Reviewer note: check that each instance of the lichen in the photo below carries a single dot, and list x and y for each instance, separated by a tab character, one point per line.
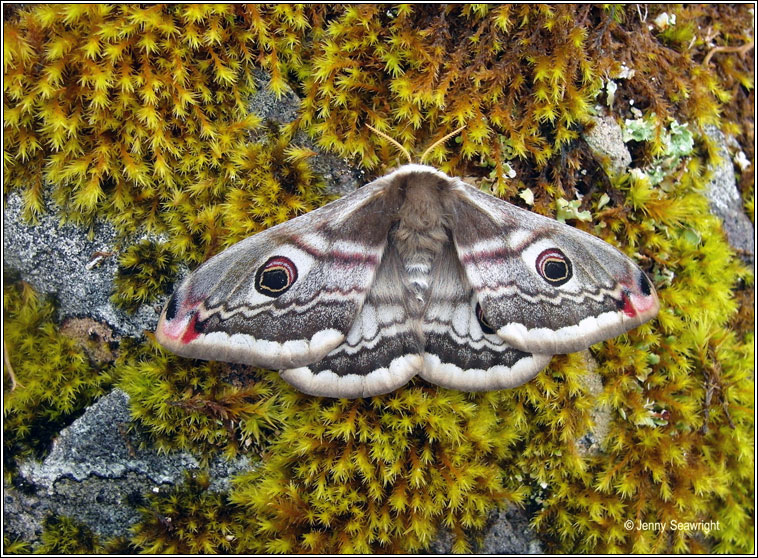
138	115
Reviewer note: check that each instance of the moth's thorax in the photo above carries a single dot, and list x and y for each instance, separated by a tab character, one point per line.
421	230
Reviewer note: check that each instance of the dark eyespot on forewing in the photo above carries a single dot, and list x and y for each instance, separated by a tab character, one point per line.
171	307
554	267
645	287
275	276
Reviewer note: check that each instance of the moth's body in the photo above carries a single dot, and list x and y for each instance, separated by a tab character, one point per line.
418	235
415	273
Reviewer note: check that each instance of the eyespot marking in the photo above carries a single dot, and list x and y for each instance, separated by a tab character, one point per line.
485	325
554	267
275	276
171	308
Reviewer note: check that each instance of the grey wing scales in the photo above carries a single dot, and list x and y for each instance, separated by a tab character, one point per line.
544	286
380	353
287	296
459	353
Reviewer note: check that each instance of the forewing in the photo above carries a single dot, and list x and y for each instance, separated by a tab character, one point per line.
545	287
287	296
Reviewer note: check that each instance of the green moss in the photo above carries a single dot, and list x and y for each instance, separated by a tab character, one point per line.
63	535
418	72
50	379
679	390
145	271
15	545
379	474
144	122
186	519
139	115
204	407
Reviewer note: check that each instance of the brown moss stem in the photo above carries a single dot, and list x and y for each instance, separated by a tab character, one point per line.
9	368
742	50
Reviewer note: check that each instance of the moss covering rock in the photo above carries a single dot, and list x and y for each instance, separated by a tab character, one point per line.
138	116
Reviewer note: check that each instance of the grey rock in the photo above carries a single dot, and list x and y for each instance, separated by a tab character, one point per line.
53	258
507	532
591	443
97	473
98	444
442	544
726	203
281	109
605	141
339	176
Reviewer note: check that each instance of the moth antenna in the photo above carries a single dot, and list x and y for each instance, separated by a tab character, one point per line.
392	141
439	141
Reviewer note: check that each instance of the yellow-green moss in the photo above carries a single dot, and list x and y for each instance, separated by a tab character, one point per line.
674	452
379	474
186	519
145	271
15	545
138	114
195	405
50	379
64	535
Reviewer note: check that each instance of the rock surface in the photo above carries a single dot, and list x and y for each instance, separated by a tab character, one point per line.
340	177
96	473
726	203
605	141
507	532
53	259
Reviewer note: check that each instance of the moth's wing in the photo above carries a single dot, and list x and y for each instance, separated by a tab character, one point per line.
459	353
381	352
545	287
287	296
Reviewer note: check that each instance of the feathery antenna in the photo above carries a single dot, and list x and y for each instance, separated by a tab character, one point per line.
439	141
405	151
392	141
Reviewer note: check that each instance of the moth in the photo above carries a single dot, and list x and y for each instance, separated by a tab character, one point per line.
416	273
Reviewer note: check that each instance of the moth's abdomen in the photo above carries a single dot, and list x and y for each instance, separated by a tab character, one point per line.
421	232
